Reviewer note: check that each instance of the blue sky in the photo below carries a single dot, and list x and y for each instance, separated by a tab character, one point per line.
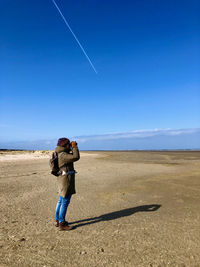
146	54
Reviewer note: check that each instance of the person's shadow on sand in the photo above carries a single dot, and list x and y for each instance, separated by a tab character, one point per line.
116	214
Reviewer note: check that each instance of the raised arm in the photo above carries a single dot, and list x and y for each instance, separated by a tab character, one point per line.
74	156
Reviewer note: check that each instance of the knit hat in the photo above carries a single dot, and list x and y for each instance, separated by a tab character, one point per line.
63	142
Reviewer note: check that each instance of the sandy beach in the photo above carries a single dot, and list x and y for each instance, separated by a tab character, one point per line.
131	209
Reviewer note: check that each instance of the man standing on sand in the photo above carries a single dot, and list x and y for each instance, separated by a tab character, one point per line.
67	154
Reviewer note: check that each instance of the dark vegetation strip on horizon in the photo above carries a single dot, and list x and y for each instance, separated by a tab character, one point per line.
108	150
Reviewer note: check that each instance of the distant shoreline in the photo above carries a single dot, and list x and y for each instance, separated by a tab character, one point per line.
103	150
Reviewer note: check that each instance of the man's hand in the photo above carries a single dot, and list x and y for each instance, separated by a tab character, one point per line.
74	144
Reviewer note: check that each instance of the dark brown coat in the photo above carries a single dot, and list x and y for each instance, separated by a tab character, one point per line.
66	183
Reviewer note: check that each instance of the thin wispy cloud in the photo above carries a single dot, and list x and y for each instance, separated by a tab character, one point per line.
75	37
137	139
136	134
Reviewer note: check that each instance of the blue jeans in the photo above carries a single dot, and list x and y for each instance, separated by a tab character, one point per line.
61	208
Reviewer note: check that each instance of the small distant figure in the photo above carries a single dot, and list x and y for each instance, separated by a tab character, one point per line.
68	152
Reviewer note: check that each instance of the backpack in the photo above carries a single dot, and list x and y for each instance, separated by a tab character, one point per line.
53	162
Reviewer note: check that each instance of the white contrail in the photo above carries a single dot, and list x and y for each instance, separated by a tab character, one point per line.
74	36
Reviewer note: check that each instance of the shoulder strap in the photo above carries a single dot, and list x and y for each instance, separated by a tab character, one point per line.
64	165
